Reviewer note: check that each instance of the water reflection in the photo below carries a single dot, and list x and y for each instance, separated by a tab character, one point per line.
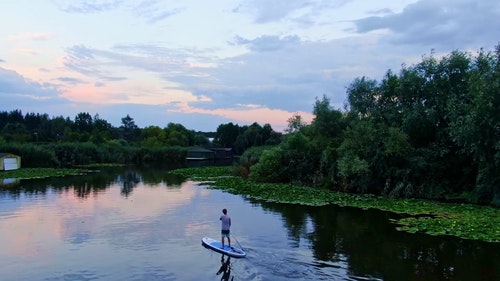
225	268
9	182
146	225
372	247
94	183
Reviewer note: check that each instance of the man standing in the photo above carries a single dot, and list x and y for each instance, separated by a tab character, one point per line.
225	225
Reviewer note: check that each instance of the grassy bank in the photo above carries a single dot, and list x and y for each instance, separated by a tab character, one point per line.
434	218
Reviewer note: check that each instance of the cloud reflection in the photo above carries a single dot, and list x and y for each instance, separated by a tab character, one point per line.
37	228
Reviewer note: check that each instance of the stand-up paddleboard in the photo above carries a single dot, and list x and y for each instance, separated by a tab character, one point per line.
216	246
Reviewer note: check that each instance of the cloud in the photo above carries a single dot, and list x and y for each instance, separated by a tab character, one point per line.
70	80
153	58
155	10
88	6
248	113
18	92
147	57
31	36
27	51
93	63
11	83
273	11
298	73
292	78
266	11
267	42
442	23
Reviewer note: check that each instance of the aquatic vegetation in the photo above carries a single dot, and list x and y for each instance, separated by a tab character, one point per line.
32	173
434	218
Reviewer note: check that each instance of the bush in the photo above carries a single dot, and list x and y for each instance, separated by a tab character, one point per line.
32	155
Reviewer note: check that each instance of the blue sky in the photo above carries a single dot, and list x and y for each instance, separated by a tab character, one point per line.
206	63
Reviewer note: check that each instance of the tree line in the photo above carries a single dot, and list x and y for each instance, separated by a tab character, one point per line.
45	141
430	131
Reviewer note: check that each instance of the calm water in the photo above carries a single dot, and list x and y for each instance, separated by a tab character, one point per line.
143	225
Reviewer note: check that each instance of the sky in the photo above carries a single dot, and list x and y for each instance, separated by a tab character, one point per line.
206	63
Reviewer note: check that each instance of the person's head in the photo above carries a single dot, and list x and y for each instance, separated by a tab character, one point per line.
224	211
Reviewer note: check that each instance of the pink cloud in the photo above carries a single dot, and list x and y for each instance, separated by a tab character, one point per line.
31	36
27	51
247	114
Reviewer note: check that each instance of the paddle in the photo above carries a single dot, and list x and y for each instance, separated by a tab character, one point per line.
238	243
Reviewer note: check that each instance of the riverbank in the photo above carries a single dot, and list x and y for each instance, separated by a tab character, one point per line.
434	218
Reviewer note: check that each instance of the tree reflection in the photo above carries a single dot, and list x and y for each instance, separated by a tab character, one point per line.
371	245
93	184
129	180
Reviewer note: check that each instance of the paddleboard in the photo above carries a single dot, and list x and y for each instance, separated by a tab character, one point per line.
216	245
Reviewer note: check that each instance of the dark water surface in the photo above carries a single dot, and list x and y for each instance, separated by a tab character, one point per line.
142	225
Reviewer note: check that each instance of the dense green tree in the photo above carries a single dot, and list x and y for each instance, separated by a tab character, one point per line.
226	134
327	125
16	132
475	125
294	161
354	156
201	140
177	135
84	122
431	131
361	99
153	136
58	126
129	131
102	130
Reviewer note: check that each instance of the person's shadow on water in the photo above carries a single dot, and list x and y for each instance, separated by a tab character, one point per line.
225	269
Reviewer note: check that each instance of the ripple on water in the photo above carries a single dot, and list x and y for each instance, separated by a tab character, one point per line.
295	264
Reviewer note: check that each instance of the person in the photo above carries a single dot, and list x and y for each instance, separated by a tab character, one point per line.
225	226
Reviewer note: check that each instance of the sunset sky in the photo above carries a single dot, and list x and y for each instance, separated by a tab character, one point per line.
206	63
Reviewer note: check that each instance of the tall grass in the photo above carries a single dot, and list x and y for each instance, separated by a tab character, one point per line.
70	154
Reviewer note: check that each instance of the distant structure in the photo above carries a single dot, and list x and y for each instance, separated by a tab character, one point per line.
9	161
209	156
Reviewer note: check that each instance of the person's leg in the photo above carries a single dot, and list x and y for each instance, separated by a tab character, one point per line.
229	241
222	240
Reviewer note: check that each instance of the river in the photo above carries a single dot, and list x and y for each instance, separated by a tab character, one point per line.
131	224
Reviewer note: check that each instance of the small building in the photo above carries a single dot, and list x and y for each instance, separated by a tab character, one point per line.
200	154
9	161
213	156
223	154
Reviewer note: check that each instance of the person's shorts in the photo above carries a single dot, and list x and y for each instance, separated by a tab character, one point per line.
225	233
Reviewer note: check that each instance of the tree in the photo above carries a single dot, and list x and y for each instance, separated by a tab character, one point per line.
58	126
475	124
200	139
16	132
295	123
361	97
178	135
328	123
355	155
153	136
129	131
84	122
294	161
226	135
